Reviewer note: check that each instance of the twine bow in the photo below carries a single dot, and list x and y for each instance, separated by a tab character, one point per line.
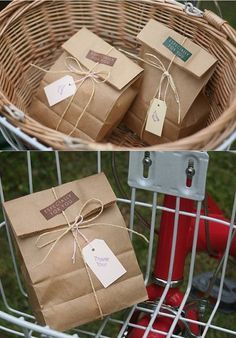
96	77
75	228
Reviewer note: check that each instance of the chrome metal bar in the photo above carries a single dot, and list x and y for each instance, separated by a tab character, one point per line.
37	328
29	165
8	138
58	166
223	270
10	309
172	257
92	334
191	271
99	162
24	137
202	217
131	226
2	224
25	330
188	320
151	237
132	207
17	333
104	323
151	330
11	245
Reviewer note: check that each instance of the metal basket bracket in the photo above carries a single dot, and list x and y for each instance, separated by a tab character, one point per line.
177	173
190	9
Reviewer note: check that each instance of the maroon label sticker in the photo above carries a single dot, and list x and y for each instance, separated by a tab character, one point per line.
101	58
59	205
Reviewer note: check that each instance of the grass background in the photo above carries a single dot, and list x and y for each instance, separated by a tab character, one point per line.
220	184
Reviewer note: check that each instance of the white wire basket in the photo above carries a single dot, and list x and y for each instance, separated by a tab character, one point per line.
16	323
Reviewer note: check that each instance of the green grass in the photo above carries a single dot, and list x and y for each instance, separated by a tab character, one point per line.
220	183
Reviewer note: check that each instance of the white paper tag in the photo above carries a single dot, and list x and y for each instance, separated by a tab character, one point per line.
103	262
156	117
60	90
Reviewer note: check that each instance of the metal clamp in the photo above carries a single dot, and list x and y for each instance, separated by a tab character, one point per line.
192	10
15	112
180	173
163	283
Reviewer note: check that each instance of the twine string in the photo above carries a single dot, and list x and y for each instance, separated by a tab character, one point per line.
153	61
75	228
95	77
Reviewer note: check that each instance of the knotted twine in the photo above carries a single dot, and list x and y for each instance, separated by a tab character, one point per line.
153	61
94	76
75	228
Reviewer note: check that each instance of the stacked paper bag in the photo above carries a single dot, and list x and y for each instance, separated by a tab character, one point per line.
92	87
88	90
75	252
170	104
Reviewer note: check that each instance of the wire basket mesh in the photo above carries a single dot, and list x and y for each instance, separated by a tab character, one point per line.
20	322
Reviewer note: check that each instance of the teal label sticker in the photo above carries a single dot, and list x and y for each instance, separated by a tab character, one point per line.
177	49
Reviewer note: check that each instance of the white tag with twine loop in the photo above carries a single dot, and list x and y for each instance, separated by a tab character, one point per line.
102	261
156	113
60	90
156	116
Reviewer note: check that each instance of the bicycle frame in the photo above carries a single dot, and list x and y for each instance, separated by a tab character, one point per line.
218	238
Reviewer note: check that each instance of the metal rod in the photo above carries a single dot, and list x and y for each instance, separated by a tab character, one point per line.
132	207
29	165
11	245
191	270
20	134
102	327
58	166
172	257
25	330
187	320
131	226
2	224
34	327
151	237
186	213
17	333
10	308
99	162
8	138
223	270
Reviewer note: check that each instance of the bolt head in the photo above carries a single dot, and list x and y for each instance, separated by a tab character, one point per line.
190	171
147	161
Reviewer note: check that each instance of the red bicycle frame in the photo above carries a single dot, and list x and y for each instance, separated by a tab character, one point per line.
218	234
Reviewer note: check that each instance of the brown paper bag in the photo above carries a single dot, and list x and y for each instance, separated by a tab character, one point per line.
194	120
60	292
111	99
190	69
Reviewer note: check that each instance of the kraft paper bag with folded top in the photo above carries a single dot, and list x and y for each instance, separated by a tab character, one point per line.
64	291
175	72
103	86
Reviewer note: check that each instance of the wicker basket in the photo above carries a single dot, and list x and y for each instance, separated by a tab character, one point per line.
33	31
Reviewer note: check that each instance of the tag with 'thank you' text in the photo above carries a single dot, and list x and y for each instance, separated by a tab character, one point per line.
102	261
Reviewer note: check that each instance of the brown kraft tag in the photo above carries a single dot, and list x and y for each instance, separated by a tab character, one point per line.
101	58
59	205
